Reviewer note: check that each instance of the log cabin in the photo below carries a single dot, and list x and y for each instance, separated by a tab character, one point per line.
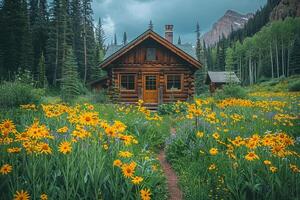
150	68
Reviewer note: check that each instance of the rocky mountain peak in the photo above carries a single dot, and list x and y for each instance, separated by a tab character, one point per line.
286	8
230	21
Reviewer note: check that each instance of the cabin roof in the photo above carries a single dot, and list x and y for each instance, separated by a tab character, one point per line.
221	77
185	51
187	48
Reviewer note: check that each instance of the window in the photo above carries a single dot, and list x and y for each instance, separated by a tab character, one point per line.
127	82
151	54
150	82
173	82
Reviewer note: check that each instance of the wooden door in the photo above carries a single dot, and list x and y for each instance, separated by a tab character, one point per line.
150	88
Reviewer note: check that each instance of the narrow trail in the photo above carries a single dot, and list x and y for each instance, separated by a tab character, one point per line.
172	180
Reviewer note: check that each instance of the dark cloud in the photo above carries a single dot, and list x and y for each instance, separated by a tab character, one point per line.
133	16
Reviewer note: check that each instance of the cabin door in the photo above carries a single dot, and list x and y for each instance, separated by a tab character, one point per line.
150	88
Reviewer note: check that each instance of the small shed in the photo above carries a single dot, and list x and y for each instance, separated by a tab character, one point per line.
99	84
218	79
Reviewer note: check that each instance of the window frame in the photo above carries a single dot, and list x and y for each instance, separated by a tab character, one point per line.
145	82
155	57
181	83
120	82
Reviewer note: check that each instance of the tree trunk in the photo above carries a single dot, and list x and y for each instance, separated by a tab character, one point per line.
282	58
288	62
271	56
240	68
84	47
277	59
250	71
56	57
259	64
255	72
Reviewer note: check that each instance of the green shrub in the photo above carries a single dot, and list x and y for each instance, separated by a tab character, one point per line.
294	86
231	91
100	96
13	94
71	85
263	79
172	108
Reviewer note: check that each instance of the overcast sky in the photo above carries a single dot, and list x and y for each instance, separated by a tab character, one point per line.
133	16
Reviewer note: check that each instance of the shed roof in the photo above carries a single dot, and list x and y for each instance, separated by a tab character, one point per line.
222	77
104	78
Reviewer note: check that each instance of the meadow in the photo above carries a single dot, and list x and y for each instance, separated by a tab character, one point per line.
223	148
239	148
56	151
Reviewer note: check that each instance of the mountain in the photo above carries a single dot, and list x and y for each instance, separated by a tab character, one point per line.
231	21
286	8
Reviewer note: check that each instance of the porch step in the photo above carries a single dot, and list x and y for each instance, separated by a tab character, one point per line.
151	106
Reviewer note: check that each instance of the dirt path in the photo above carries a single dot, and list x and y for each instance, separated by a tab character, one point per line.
172	180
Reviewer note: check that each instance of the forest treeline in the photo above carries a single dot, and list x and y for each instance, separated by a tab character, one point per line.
57	44
272	52
263	49
50	41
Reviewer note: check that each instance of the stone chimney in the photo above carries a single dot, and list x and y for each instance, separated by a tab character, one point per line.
169	33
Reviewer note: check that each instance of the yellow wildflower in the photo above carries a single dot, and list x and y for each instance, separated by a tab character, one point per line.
125	154
137	180
22	195
65	147
212	167
273	169
251	156
145	194
267	162
44	197
200	134
117	163
63	129
213	151
5	169
216	135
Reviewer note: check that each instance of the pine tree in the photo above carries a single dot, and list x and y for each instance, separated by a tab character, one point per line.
198	42
1	50
229	60
89	44
60	36
100	35
77	29
70	82
229	63
39	26
208	58
115	39
124	38
96	71
42	79
100	46
15	41
221	51
179	40
151	25
200	74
